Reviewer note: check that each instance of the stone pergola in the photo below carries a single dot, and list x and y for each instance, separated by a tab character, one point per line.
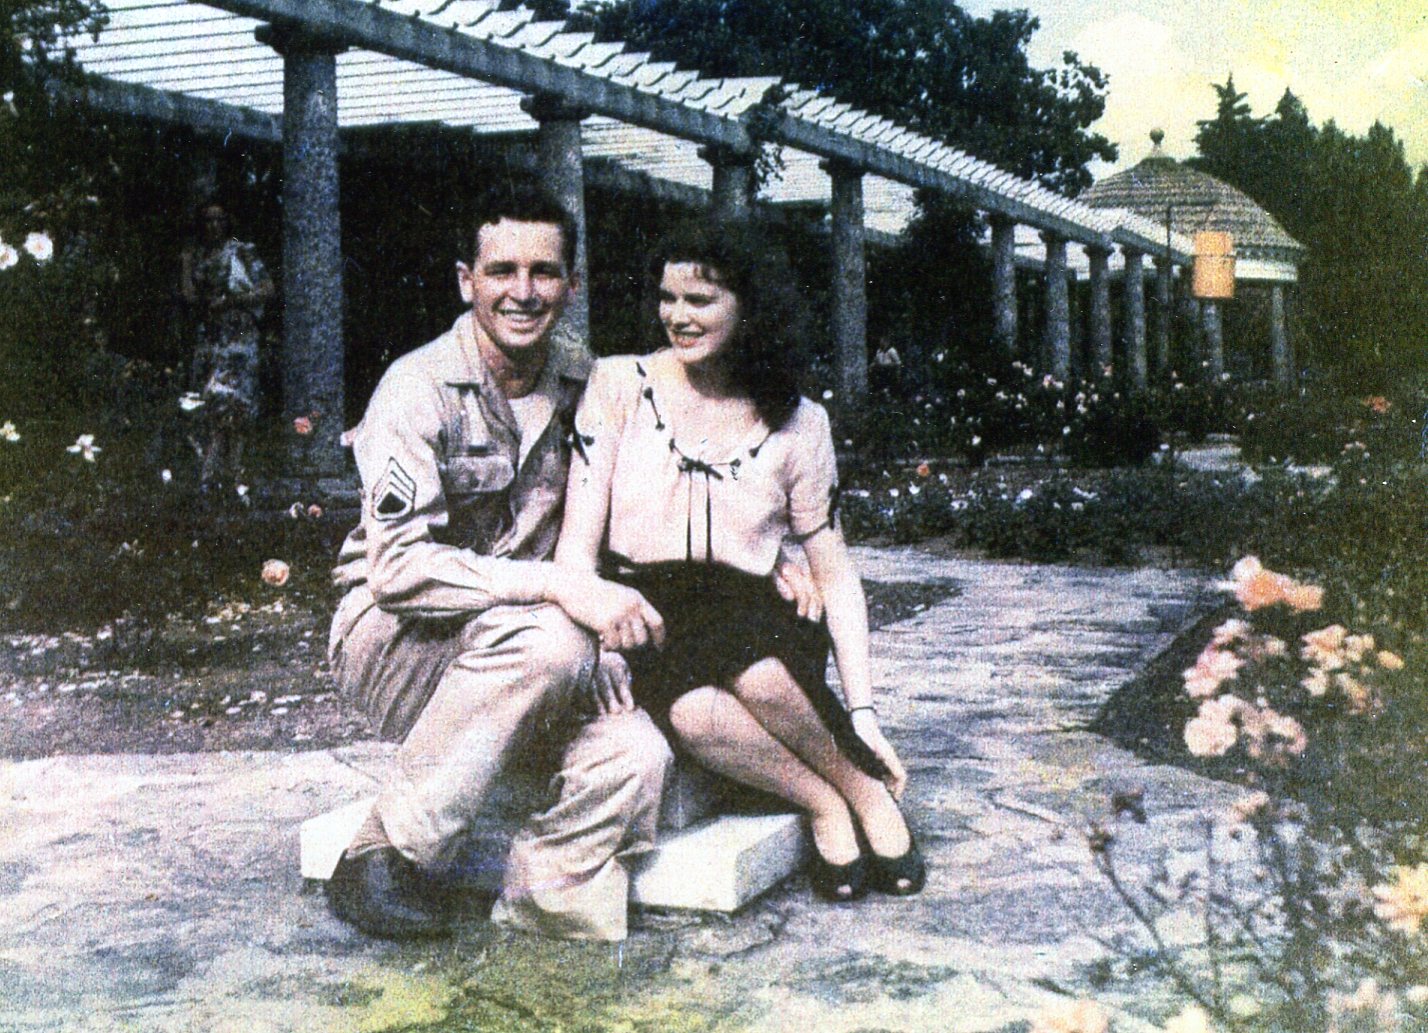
297	72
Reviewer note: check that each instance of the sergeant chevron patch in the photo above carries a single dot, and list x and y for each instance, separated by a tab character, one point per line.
395	493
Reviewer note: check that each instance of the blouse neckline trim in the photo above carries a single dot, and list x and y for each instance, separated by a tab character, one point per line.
733	460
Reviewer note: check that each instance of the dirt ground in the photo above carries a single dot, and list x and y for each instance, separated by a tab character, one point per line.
241	677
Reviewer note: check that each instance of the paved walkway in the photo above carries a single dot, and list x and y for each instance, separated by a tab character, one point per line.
162	893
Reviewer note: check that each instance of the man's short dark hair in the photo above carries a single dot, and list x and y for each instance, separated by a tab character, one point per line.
522	201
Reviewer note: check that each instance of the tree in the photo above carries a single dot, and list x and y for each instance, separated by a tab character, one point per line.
924	63
1354	203
31	33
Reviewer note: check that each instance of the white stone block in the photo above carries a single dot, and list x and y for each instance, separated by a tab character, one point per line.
720	864
321	840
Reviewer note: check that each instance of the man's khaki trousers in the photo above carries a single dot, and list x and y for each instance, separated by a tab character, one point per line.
464	697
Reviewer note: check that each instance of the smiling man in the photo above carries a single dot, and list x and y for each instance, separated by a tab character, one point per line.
456	637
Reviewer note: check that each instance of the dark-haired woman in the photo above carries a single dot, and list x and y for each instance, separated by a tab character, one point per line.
700	460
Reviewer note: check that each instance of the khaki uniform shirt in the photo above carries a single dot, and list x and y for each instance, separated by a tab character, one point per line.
451	501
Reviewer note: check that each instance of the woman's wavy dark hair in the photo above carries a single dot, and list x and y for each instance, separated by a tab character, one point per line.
769	359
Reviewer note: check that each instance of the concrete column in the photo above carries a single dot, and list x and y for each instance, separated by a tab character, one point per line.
1100	305
1279	338
313	347
1160	327
1135	316
1056	336
560	159
733	195
850	280
1004	303
1214	339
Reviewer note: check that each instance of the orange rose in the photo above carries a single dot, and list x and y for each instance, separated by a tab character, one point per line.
1304	597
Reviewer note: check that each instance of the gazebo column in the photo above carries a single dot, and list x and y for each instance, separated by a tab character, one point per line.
1214	330
1135	316
1279	338
1056	336
733	194
1164	315
1075	323
313	347
1100	309
1004	302
850	280
561	162
1190	319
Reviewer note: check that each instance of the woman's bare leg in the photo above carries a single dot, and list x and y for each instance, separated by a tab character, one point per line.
723	736
777	703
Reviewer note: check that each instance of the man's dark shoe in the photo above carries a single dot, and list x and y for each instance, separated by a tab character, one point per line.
384	895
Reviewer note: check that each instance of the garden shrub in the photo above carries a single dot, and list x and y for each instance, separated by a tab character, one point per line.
1195	410
1121	434
1111	518
106	521
973	410
1304	430
1312	890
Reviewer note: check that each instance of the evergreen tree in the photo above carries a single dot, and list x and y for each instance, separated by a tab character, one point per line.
1353	202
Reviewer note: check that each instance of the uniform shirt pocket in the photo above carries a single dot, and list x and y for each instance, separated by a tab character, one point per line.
478	500
477	475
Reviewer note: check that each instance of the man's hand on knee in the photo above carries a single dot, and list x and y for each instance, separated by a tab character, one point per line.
622	617
612	684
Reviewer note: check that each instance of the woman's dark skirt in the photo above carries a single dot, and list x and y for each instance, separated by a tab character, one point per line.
719	622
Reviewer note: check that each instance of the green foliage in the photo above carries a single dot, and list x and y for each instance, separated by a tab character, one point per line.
127	535
1197	410
89	543
32	32
1118	517
972	409
927	64
917	290
1354	203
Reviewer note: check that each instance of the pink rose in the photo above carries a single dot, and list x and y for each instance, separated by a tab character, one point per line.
275	573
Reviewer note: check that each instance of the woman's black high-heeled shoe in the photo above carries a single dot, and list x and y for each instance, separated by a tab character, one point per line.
898	876
838	883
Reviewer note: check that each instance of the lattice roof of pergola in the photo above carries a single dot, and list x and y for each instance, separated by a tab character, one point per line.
466	63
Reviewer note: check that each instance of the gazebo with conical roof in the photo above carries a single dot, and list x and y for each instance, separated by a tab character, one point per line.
1188	201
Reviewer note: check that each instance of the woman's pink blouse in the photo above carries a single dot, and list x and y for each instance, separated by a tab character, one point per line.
671	500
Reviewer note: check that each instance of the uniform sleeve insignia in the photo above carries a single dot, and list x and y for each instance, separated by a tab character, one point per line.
395	493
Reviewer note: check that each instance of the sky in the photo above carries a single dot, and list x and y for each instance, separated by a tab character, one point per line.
1350	60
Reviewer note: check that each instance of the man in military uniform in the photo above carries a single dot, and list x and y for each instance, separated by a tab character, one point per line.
459	639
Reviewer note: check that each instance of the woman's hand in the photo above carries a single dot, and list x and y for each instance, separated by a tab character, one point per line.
865	723
612	684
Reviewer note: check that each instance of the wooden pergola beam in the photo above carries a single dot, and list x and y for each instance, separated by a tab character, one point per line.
837	146
371	28
198	114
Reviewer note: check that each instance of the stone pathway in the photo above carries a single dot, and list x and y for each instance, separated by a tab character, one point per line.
162	893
